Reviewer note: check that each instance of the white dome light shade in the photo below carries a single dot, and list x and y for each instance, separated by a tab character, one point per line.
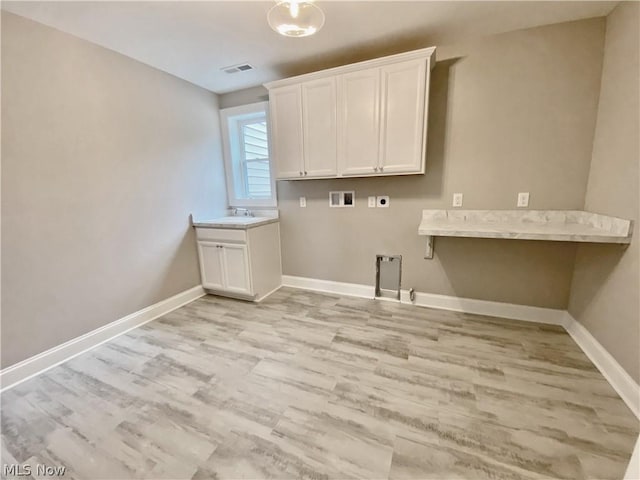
296	18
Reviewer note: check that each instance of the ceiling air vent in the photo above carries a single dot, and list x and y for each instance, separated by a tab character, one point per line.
243	67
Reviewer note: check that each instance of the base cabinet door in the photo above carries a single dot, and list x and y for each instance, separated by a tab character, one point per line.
211	268
235	260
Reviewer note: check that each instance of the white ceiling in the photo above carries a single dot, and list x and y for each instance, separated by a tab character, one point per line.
193	40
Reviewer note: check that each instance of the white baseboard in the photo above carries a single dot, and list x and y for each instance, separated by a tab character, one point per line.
37	364
430	300
619	379
485	307
633	470
268	294
327	286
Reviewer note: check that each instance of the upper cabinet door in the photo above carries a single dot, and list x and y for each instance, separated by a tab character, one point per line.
285	110
403	117
319	128
359	122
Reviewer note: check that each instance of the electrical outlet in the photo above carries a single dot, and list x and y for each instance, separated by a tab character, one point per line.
457	199
303	202
383	201
371	202
523	199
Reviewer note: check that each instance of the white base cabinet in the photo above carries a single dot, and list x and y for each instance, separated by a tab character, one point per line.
240	263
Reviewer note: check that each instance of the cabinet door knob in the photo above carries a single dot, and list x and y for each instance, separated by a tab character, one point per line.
300	173
375	169
305	172
381	168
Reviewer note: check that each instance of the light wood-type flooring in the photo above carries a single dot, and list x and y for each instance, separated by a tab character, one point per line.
306	385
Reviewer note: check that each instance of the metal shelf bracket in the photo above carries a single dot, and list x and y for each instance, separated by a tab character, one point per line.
428	254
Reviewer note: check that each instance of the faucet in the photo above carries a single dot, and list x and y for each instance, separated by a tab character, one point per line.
247	212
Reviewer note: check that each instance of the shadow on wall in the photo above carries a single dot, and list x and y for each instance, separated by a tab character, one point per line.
341	244
594	265
514	271
369	231
410	187
437	127
182	263
381	47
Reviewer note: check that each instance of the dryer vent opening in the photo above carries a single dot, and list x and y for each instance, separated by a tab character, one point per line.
388	276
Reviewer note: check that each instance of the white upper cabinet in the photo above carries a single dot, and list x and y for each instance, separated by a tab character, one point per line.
285	113
319	128
303	129
359	122
403	118
364	119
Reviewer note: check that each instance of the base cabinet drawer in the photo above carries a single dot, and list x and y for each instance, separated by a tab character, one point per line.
221	235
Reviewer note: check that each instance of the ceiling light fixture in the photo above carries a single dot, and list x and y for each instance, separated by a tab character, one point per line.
296	18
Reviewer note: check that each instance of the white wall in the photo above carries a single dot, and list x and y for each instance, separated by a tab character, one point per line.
605	293
508	113
103	160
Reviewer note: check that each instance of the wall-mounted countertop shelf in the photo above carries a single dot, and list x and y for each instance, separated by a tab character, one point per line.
551	225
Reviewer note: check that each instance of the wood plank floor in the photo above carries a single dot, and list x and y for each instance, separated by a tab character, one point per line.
315	386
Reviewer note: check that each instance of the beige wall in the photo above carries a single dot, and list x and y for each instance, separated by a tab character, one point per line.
605	290
509	113
244	97
103	159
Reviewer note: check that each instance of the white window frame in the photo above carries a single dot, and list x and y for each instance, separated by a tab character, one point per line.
226	116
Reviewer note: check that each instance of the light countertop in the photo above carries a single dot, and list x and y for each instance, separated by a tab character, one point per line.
554	225
235	223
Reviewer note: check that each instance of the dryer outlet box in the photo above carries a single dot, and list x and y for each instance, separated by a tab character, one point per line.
382	201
